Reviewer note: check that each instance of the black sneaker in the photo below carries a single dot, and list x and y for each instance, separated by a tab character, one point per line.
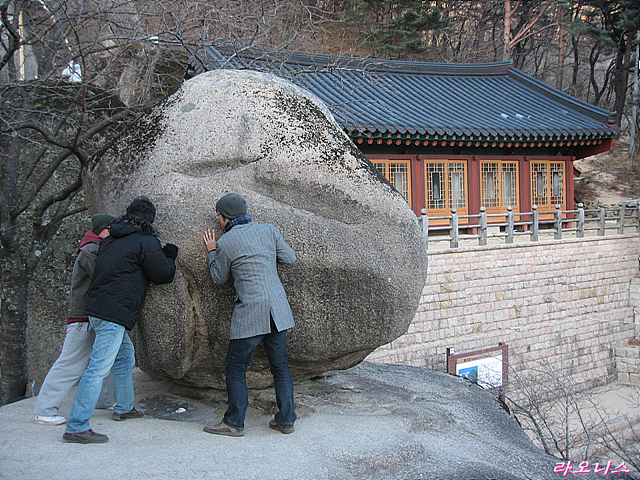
88	436
125	416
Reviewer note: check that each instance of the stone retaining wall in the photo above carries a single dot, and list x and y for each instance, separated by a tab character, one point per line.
627	357
562	304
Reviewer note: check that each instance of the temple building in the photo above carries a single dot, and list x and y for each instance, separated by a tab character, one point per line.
446	136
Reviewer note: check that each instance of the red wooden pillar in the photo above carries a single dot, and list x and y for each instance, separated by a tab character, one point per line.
524	167
418	199
570	194
475	187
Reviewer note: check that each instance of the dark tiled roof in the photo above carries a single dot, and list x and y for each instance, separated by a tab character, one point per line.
372	98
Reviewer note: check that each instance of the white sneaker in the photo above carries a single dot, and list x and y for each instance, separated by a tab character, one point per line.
52	420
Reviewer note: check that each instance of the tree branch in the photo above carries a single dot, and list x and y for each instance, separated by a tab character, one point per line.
59	197
527	29
522	37
45	232
13	37
46	175
48	136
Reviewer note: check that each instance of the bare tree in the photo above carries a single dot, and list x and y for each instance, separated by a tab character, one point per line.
566	419
73	74
54	118
623	438
523	21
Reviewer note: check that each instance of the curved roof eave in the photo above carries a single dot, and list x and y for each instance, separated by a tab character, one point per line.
396	97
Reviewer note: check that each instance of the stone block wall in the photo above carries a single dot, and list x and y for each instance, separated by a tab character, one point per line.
628	364
561	305
627	357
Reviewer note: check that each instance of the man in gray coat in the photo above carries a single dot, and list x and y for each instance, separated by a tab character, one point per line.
249	252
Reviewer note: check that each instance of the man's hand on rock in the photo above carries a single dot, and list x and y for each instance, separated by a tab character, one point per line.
209	238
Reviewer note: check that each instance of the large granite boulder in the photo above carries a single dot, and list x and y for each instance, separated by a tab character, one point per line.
361	257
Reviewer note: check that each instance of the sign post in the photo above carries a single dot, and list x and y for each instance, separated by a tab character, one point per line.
488	367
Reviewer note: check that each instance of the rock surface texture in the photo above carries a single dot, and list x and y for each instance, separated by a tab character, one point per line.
371	422
361	257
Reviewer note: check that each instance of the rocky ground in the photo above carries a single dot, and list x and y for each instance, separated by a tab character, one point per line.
371	422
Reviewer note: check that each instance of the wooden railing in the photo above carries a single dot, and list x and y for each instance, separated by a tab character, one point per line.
624	218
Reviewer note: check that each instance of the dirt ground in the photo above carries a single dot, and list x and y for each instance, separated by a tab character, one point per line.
609	177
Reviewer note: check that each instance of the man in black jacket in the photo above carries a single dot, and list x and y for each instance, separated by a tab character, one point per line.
127	260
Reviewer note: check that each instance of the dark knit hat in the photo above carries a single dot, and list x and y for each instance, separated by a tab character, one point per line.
143	208
99	222
231	205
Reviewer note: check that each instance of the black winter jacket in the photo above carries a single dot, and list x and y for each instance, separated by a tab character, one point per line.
127	260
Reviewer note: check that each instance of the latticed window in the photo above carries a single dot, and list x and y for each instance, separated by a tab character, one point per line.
509	184
499	184
557	183
490	189
398	174
547	183
446	185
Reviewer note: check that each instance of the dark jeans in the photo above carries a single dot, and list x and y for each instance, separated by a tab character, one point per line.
238	359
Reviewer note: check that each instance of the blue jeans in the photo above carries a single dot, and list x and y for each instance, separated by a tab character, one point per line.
111	348
236	363
68	369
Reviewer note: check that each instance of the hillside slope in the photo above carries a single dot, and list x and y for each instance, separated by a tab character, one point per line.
609	177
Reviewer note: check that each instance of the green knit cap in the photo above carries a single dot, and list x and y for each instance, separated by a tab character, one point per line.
99	222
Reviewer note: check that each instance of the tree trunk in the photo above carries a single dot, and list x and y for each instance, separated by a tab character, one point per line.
598	91
621	79
561	42
14	286
506	33
576	66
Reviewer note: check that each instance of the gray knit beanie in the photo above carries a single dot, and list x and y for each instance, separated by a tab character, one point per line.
231	205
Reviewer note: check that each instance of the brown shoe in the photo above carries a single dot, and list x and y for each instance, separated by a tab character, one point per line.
223	429
125	416
281	428
88	436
